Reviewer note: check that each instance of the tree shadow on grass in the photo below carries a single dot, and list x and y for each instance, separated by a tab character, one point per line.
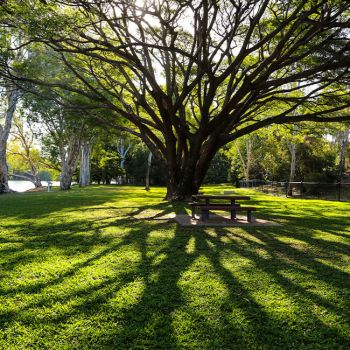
38	205
71	235
150	322
163	286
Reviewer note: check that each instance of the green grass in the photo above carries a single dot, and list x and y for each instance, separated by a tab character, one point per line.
82	270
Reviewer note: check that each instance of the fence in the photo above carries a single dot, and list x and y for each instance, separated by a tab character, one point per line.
339	191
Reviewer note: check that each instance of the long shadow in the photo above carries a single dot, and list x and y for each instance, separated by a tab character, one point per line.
283	257
39	287
38	205
71	236
153	318
268	331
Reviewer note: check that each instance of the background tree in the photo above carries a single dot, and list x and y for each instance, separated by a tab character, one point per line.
63	133
67	133
23	147
315	157
9	97
105	163
219	169
123	146
137	167
9	101
245	154
342	139
148	171
85	162
292	136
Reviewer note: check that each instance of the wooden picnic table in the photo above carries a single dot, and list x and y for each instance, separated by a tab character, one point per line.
233	207
208	197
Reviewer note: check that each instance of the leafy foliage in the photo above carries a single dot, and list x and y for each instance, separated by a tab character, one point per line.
105	164
136	167
219	169
316	156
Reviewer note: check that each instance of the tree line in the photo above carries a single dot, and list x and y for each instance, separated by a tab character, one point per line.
281	153
287	154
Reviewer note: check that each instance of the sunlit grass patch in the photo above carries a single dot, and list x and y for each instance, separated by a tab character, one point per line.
85	270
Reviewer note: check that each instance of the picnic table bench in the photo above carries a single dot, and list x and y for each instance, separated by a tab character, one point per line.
202	202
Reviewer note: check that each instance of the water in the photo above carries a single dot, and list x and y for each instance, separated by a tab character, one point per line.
22	185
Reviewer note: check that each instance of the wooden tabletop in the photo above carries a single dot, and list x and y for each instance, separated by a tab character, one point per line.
220	196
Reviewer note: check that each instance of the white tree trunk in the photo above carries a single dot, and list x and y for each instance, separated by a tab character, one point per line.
36	180
85	164
149	163
29	177
246	160
69	162
4	187
12	99
123	151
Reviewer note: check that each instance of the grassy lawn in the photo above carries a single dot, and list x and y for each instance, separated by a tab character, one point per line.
83	270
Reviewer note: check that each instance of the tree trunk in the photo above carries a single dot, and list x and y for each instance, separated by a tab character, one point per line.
12	99
292	147
69	162
33	171
343	145
246	160
185	179
123	151
4	186
85	159
182	188
149	162
66	176
36	180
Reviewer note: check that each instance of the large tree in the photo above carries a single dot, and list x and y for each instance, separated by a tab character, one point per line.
9	97
7	111
192	76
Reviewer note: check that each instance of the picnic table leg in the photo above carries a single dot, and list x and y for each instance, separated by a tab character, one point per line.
249	216
193	213
205	215
233	214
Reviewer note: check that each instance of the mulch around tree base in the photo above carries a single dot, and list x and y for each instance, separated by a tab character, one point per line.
218	220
